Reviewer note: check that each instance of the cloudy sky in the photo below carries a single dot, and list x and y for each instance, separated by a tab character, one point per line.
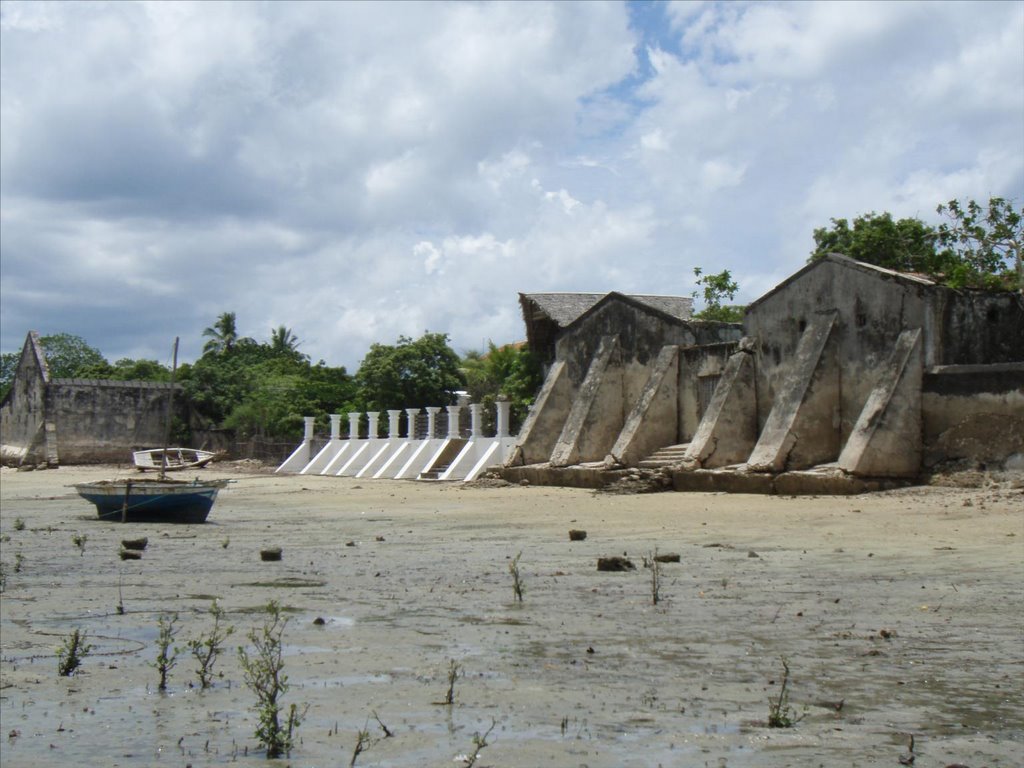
357	171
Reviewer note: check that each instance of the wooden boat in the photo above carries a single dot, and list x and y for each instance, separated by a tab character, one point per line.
157	500
176	459
146	500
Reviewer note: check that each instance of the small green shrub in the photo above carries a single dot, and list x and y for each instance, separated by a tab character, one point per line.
264	674
206	648
71	653
167	654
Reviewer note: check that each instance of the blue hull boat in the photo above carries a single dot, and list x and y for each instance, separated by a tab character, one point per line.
152	501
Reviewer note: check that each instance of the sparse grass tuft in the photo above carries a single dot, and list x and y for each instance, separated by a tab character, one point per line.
517	580
780	713
363	743
454	672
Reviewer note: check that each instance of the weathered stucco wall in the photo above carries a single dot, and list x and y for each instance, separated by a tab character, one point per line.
872	308
973	413
700	369
100	421
22	413
641	333
979	328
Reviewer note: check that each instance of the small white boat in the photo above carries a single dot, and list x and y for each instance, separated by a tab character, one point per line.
176	459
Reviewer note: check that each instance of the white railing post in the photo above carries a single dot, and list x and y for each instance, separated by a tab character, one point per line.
504	408
475	422
374	417
393	417
432	412
453	421
335	426
308	424
353	426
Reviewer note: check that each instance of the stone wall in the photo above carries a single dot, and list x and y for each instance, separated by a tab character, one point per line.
103	421
700	369
871	308
79	421
641	331
979	328
22	413
973	414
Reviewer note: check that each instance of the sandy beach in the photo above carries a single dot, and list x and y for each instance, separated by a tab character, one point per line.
899	614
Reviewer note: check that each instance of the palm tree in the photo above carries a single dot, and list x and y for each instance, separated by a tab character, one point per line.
223	334
283	341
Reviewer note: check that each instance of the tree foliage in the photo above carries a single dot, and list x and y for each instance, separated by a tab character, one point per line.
68	355
716	289
8	366
223	335
974	247
264	390
71	357
509	372
987	243
907	245
127	369
284	343
409	374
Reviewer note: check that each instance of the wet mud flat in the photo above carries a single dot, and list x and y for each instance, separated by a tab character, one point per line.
897	614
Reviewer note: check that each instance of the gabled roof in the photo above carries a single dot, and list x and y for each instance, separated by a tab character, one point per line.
644	306
566	308
847	262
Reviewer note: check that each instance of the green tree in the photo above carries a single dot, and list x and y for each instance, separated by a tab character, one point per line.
409	374
272	407
283	341
716	289
510	372
127	369
8	366
223	335
907	245
68	355
264	390
974	247
986	243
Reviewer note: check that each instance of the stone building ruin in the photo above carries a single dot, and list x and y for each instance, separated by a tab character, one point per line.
847	375
48	422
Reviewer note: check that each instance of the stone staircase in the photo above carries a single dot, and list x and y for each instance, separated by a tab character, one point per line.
668	456
439	467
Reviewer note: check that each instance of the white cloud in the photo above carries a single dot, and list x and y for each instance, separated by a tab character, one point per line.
357	173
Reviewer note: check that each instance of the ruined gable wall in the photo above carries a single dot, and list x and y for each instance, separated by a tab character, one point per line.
641	336
872	309
103	421
22	414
